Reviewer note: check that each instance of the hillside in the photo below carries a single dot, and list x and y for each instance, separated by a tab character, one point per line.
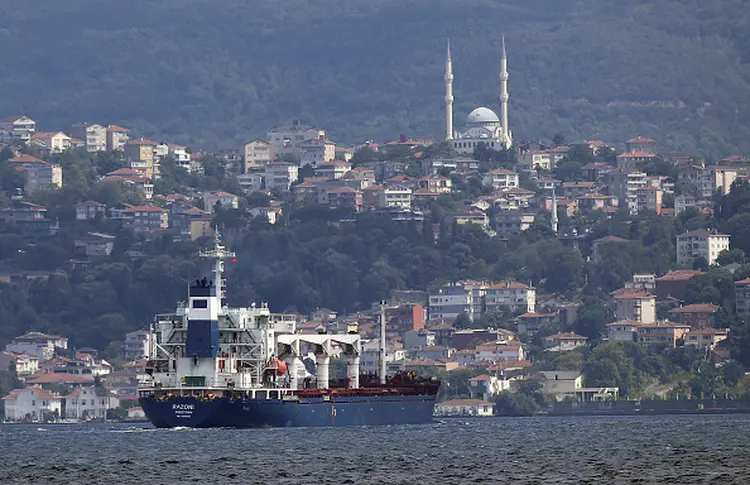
189	71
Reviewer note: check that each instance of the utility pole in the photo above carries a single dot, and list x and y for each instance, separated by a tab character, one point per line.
382	342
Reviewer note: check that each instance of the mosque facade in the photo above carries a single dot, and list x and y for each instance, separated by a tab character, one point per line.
483	126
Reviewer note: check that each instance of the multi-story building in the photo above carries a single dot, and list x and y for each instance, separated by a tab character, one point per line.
593	201
705	338
530	323
683	202
512	221
532	160
32	404
141	156
648	199
40	345
288	138
117	137
742	295
622	331
636	306
641	144
499	352
449	301
501	179
435	184
333	170
94	136
280	176
146	218
344	197
697	316
405	318
17	128
316	151
128	176
564	341
89	402
138	344
94	245
700	244
673	285
661	333
624	184
571	190
182	158
51	141
709	178
257	154
511	295
21	364
394	196
224	199
90	210
633	160
37	173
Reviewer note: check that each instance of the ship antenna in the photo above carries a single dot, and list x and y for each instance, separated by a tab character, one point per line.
382	341
218	254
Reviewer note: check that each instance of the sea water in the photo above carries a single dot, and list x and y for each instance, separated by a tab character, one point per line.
520	451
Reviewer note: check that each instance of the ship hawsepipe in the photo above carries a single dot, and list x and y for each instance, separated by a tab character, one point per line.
208	408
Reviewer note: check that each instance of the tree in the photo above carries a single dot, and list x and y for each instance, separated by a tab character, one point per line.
729	256
592	318
462	321
558	139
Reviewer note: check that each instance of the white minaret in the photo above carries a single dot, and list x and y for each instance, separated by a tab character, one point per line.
448	95
504	95
554	210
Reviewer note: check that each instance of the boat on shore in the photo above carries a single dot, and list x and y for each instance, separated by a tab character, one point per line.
215	366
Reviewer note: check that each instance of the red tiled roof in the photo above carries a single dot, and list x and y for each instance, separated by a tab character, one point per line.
144	208
640	139
611	239
696	308
57	378
565	335
483	377
679	275
25	158
636	155
509	364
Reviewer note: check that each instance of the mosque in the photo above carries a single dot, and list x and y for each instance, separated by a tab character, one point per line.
482	125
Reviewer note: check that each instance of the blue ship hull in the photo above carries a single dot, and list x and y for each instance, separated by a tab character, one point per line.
254	413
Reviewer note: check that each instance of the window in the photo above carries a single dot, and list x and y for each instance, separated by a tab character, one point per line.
202	303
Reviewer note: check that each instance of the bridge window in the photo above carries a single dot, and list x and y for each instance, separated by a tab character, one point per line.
200	303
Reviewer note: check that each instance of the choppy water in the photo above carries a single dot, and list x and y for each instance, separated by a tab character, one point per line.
521	451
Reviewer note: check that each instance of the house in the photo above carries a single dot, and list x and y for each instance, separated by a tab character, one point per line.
32	404
593	202
146	218
37	173
661	333
596	171
94	245
21	364
94	136
344	197
673	285
512	221
280	176
641	144
17	128
697	316
117	138
90	210
704	338
257	154
511	295
529	323
464	407
485	386
51	141
405	317
130	176
500	179
564	341
561	384
89	402
742	296
622	331
634	305
642	282
359	178
683	202
37	344
224	199
251	181
700	243
533	160
141	156
572	190
271	214
499	351
649	199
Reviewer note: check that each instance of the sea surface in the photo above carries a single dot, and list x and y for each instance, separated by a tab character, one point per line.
520	451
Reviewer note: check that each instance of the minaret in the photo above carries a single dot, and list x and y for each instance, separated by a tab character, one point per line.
554	211
448	95
504	95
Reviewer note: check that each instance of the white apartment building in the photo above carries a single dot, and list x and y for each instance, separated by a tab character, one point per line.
395	196
257	154
700	244
22	364
280	176
476	297
94	136
137	345
38	344
17	128
89	403
501	179
316	151
370	358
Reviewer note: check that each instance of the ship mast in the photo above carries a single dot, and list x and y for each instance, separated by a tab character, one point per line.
382	341
218	254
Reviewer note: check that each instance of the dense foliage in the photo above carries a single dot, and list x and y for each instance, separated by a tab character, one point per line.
214	75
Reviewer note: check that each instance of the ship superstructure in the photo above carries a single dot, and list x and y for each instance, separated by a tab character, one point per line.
213	365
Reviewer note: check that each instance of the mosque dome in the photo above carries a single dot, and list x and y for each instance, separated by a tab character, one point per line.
482	115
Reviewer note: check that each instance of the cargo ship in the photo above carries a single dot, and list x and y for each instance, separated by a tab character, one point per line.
215	366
